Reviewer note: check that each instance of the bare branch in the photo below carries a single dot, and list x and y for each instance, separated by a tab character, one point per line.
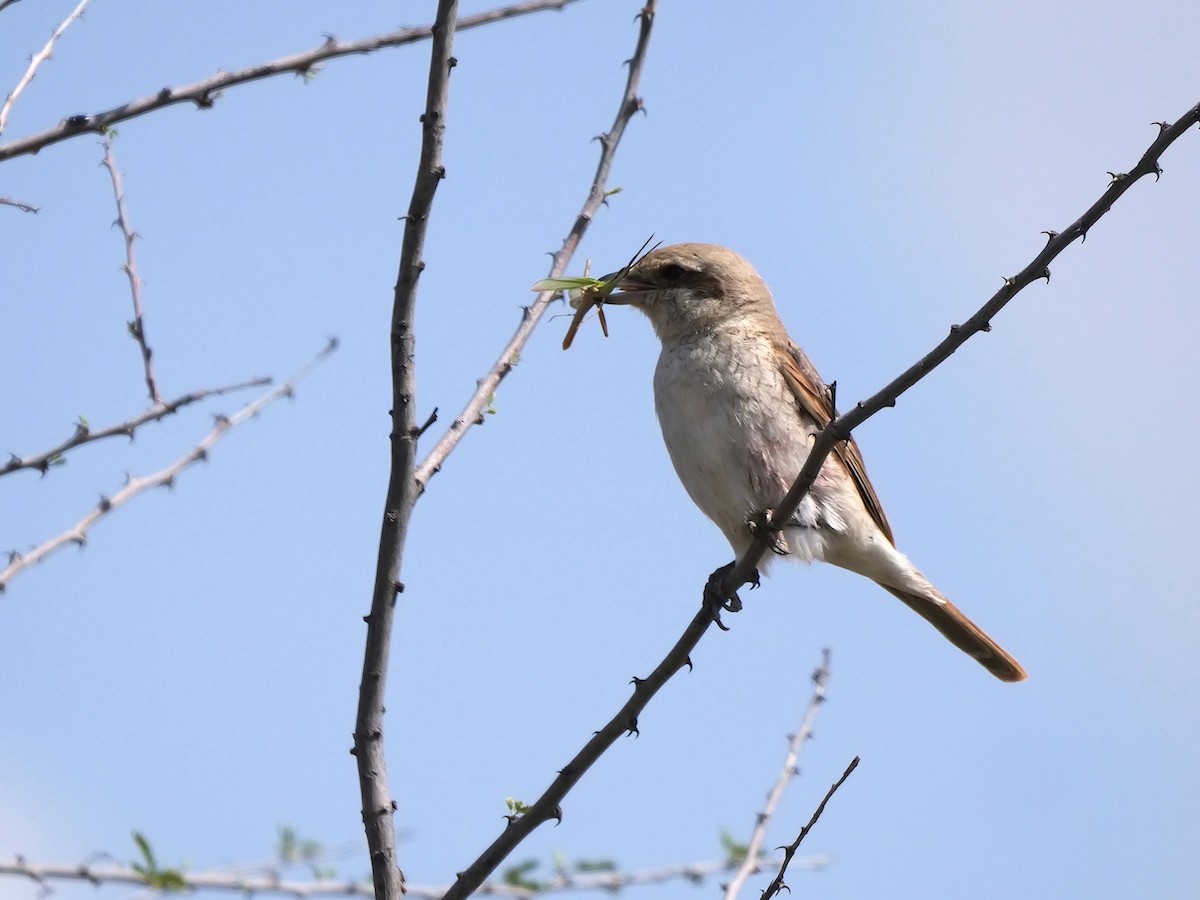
23	207
790	850
84	434
36	60
472	413
751	863
77	534
378	807
137	327
204	93
727	581
273	885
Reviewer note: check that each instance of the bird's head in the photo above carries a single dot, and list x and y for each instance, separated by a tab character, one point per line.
688	289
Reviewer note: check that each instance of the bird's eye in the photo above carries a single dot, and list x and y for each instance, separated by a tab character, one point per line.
672	272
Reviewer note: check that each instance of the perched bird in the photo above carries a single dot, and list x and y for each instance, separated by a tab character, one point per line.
739	404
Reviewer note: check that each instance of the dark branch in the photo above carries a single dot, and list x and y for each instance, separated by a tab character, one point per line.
839	429
402	493
790	850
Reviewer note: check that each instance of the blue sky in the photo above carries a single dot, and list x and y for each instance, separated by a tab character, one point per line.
193	673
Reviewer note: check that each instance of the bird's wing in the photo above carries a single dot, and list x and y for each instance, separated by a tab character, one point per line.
816	402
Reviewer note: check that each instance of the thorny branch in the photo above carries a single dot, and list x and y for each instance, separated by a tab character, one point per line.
378	807
35	62
85	434
752	864
839	429
204	93
78	533
137	327
790	850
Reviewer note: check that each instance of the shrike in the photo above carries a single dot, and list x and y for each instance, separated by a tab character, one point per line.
739	404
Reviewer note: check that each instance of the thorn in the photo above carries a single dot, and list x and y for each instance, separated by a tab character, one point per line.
1009	282
631	727
558	814
1157	171
1162	126
1117	176
688	662
1046	274
428	423
1050	235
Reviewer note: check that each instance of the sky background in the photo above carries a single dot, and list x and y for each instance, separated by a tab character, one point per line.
193	673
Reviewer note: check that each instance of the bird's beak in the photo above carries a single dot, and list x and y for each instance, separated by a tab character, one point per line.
628	289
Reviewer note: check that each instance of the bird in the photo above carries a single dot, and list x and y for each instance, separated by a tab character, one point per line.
739	404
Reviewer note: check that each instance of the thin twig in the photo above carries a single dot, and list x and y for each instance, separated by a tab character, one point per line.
78	533
790	850
85	434
472	413
378	808
273	885
23	207
751	864
36	60
547	806
839	429
137	327
204	93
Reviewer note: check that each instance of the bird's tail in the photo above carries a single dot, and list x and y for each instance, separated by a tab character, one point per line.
961	631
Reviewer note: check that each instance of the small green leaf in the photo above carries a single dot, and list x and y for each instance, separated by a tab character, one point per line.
735	851
143	846
516	807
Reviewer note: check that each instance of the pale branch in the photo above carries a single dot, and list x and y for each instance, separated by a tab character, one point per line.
36	61
136	327
275	885
78	533
548	805
85	434
789	851
751	864
23	207
378	807
725	582
472	413
204	93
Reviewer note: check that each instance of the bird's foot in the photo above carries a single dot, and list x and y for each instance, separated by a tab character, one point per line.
760	523
720	597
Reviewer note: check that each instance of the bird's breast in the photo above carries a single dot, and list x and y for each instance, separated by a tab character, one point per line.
733	430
